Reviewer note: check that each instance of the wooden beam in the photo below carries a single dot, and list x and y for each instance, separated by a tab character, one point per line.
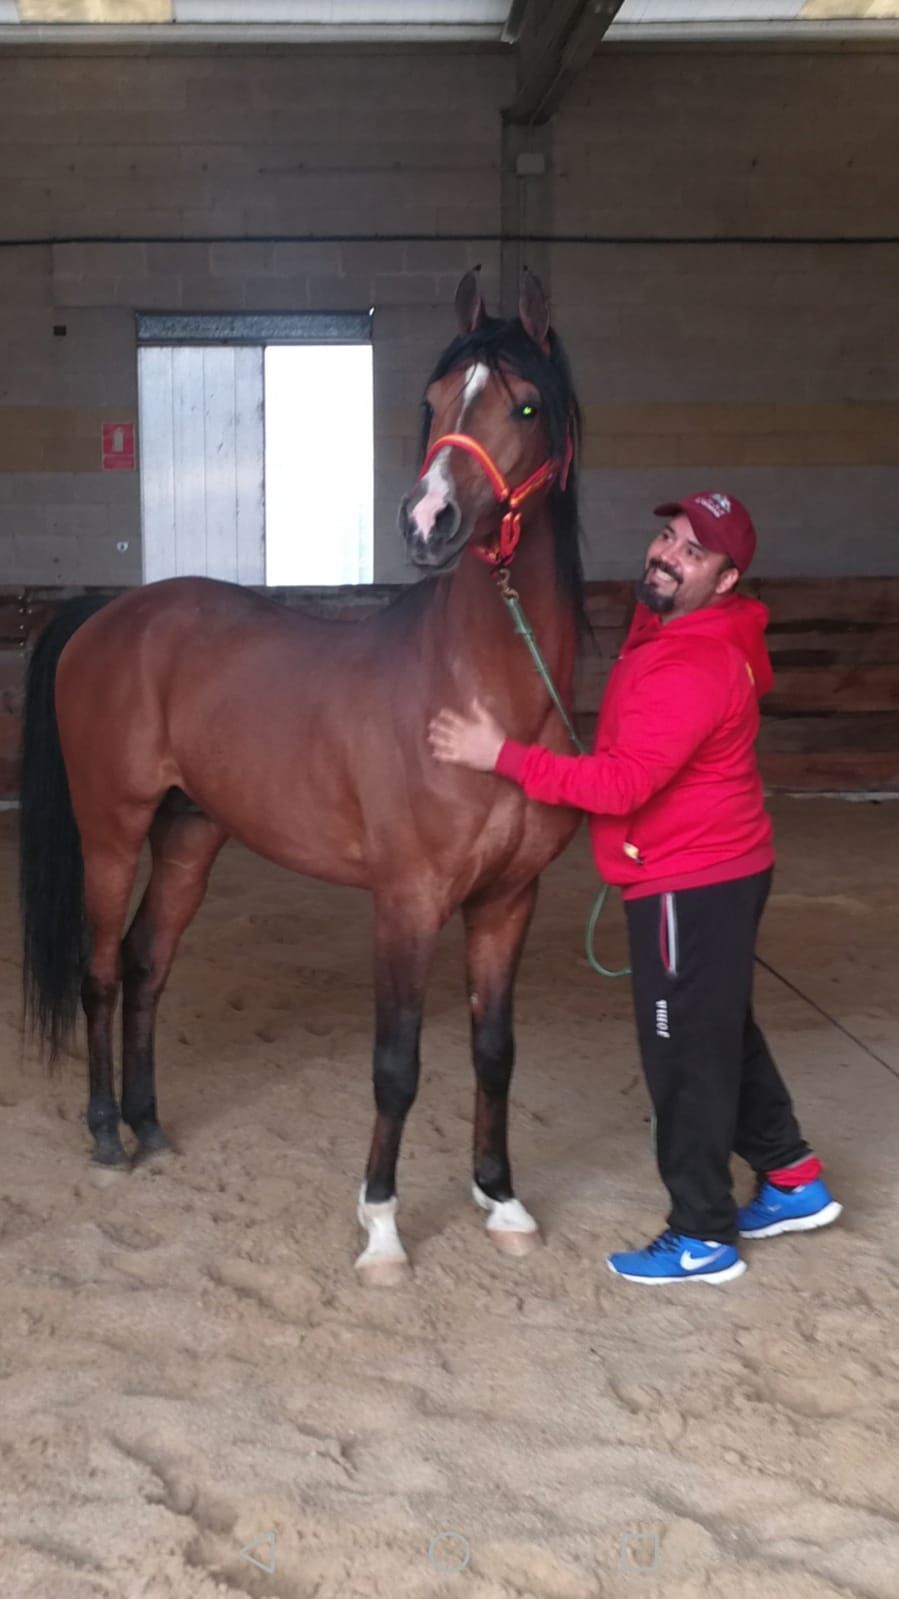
556	41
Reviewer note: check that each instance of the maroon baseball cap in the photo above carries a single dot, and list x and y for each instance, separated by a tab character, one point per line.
720	523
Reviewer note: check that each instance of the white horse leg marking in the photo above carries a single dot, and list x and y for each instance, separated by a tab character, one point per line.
383	1260
509	1226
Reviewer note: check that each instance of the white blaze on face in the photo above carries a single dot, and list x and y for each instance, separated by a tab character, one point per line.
437	481
475	380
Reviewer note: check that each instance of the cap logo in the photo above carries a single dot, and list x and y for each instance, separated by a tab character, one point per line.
717	504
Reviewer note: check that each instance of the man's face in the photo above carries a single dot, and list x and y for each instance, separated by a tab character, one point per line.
680	575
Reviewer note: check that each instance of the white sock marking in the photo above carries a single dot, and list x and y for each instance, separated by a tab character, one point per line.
505	1215
379	1222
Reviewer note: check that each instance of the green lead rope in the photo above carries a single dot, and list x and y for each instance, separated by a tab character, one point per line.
523	627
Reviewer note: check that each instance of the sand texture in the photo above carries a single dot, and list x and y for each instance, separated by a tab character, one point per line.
187	1362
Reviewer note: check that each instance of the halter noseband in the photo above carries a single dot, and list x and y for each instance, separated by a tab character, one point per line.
500	555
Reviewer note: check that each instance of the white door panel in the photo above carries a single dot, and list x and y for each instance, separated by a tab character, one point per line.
201	456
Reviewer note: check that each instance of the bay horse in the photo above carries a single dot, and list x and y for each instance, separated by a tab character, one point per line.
190	711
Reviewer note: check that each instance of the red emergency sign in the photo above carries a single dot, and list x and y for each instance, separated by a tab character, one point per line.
118	446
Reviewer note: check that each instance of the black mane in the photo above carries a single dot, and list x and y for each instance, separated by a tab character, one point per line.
497	343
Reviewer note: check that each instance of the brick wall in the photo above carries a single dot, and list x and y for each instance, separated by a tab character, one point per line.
184	146
771	369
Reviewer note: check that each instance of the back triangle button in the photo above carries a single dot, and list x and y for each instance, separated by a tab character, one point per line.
263	1546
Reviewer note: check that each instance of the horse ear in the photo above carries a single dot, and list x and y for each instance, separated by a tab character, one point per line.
533	309
469	301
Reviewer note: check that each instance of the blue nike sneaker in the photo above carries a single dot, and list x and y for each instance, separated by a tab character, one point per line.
787	1210
675	1258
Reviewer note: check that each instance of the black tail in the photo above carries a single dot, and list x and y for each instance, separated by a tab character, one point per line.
51	869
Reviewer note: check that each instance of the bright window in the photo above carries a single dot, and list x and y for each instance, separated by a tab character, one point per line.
318	464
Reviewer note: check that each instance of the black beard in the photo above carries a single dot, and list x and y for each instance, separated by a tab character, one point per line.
652	598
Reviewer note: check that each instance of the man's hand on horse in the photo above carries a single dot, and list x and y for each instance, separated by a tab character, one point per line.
474	740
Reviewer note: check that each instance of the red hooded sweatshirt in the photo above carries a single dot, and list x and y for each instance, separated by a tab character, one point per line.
672	786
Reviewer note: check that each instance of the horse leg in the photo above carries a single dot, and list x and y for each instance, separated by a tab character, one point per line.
110	865
183	849
496	930
405	937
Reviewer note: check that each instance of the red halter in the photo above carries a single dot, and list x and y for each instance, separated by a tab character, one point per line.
500	555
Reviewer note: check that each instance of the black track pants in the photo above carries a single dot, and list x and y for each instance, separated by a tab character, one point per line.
710	1075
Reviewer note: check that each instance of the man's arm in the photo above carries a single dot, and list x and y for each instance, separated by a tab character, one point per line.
673	711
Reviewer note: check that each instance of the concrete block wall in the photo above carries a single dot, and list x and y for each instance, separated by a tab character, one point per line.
769	369
182	148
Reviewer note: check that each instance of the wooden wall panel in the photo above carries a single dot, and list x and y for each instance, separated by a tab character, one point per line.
831	722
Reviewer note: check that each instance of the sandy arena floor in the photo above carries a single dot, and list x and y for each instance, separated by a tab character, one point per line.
187	1363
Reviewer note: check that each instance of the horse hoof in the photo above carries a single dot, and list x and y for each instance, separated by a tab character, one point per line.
514	1243
153	1148
103	1173
385	1273
383	1262
161	1158
109	1155
509	1226
151	1138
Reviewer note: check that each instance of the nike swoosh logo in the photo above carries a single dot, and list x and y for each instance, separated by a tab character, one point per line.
689	1264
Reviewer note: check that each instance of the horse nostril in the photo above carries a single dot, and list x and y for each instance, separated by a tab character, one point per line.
405	518
446	524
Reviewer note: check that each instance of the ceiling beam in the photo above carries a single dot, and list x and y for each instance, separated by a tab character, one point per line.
556	40
797	35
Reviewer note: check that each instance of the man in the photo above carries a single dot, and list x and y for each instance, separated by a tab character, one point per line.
678	821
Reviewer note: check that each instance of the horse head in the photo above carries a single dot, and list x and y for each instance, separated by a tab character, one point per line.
499	413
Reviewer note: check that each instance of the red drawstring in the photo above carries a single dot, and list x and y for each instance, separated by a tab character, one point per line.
501	554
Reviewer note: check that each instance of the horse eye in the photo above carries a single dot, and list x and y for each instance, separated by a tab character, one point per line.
527	409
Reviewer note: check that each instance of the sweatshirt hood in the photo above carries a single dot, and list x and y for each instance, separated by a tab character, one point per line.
738	620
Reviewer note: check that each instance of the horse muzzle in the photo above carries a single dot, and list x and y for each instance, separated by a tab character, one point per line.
431	531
